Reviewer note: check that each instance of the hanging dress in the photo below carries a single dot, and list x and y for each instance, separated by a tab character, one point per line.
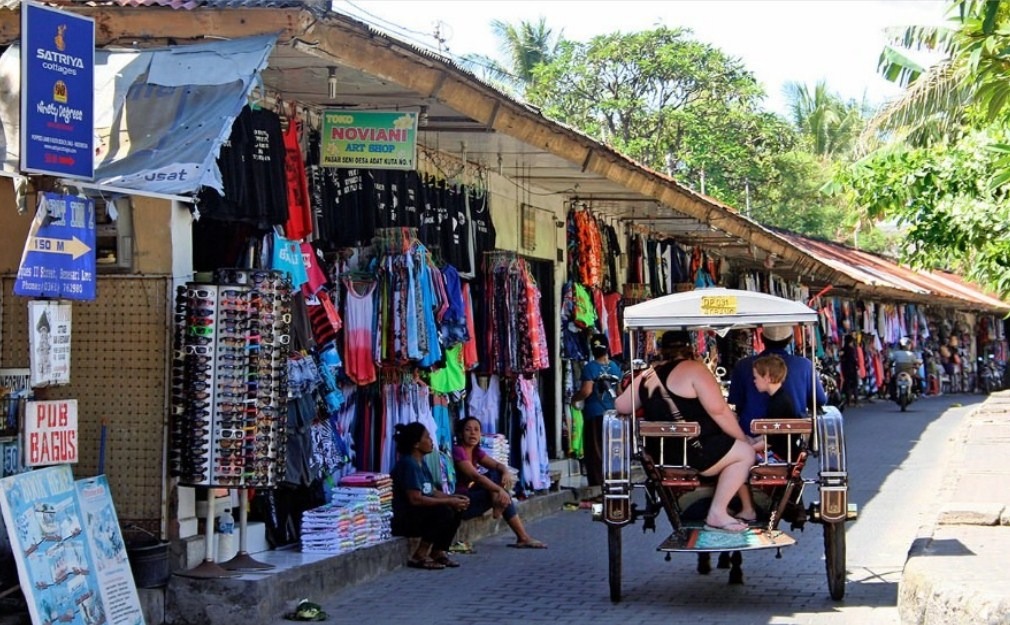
358	334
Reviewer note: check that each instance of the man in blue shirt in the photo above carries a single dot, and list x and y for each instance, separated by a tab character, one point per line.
798	385
600	378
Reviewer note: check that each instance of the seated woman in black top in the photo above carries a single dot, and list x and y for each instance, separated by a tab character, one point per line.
722	448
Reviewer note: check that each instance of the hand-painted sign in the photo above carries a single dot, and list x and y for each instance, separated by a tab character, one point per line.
58	100
51	432
59	256
69	550
369	139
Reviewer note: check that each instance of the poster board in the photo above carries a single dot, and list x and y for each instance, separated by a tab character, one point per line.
69	551
49	325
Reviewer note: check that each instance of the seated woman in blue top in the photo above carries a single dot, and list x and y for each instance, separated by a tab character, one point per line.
487	491
420	509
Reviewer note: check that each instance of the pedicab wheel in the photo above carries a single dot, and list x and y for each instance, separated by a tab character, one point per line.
614	554
834	558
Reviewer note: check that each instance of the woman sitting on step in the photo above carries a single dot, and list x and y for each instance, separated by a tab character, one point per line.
487	491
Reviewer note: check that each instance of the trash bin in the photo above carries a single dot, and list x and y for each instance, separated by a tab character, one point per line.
148	557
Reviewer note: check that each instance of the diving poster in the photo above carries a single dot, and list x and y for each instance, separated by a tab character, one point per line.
62	580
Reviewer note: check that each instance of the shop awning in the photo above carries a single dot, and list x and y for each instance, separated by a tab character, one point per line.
161	115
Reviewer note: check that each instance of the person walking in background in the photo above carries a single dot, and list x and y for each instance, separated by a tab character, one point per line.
599	378
419	509
849	360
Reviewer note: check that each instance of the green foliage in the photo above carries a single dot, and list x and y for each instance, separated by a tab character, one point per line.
668	101
945	172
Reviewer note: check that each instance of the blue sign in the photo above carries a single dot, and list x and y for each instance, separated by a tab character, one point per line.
59	256
58	92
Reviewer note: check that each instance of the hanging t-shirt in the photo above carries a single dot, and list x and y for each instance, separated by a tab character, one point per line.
299	223
410	199
287	258
452	377
267	195
382	199
483	229
456	231
232	162
315	277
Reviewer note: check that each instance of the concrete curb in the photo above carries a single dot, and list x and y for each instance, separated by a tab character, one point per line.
955	571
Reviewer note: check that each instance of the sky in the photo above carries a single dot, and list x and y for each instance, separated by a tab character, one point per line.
779	40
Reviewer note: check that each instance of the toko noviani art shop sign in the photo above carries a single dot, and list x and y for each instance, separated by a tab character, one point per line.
369	139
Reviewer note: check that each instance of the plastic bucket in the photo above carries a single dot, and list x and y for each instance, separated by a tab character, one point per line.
148	559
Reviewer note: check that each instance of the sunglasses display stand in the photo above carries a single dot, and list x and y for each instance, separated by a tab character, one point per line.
229	393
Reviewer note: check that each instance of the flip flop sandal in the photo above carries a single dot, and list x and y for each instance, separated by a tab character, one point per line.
462	547
445	561
533	544
427	564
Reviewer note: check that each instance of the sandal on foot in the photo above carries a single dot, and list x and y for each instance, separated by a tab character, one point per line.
461	547
733	527
445	561
426	563
529	544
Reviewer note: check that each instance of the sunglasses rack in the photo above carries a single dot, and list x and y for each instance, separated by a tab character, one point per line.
229	380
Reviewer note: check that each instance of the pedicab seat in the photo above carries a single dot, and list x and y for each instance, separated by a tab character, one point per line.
777	473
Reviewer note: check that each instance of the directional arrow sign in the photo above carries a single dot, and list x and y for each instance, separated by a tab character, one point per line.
74	247
59	255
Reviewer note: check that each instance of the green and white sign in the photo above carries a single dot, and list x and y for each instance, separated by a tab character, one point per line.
369	139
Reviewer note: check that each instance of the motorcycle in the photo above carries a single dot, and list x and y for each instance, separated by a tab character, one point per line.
990	378
827	369
904	390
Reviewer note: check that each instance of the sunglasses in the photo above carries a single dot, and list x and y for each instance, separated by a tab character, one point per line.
199	293
199	349
279	339
228	470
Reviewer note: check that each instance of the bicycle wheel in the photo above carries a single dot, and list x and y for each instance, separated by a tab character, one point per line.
614	554
834	558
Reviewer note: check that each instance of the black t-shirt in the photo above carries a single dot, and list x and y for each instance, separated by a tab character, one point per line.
265	154
481	228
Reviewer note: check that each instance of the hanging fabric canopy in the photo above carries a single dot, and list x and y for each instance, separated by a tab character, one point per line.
161	115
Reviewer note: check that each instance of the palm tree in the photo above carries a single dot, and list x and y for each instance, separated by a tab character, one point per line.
525	46
828	123
969	83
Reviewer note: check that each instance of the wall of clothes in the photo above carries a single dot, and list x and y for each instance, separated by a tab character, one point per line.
401	308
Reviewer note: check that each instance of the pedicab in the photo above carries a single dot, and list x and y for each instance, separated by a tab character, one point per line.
670	486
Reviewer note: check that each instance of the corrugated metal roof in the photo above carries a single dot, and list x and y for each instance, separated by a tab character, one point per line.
874	270
187	5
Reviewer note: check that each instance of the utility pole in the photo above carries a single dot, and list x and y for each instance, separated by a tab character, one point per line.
746	192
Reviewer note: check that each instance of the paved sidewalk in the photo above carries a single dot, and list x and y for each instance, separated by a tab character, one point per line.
957	571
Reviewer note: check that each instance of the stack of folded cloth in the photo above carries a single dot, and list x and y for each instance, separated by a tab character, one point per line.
357	515
496	446
380	489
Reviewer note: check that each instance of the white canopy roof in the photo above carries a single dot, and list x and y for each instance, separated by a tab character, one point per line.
716	308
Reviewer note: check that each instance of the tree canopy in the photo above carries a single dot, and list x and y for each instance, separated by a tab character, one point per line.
943	168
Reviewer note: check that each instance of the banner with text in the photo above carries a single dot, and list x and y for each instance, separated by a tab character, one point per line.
58	101
369	139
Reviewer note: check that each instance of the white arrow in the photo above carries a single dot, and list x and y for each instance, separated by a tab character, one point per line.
75	247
